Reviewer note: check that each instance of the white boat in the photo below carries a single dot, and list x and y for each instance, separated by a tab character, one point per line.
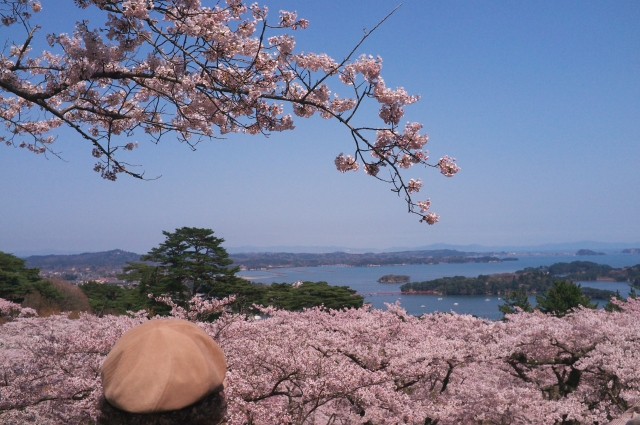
455	303
487	299
439	299
423	306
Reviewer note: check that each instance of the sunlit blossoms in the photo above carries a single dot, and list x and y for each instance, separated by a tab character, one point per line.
414	185
348	163
11	309
424	205
36	6
431	218
196	71
8	308
352	366
448	166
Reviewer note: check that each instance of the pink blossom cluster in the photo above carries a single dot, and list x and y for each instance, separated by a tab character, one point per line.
35	6
424	205
414	185
353	366
8	308
200	309
11	309
448	166
348	163
430	218
156	67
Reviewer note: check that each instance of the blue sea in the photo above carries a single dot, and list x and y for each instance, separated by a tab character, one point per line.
364	280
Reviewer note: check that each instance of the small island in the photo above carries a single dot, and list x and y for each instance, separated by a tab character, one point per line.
589	252
394	278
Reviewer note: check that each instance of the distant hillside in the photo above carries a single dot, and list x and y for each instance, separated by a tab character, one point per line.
283	259
114	259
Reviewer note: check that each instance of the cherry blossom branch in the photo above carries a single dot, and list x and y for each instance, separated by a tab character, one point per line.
174	66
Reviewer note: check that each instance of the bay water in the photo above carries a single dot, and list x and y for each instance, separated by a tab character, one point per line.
364	281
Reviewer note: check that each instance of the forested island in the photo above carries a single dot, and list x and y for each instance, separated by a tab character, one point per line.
589	252
394	278
532	280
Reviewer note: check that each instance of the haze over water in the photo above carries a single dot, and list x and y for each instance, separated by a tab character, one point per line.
364	280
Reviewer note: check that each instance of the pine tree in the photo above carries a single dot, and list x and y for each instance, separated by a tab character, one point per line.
191	261
18	281
562	297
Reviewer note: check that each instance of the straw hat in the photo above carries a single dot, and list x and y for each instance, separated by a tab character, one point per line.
162	365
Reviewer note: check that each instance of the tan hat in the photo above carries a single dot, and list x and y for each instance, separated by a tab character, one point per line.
162	365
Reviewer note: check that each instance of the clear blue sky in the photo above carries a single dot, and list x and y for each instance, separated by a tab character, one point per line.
539	101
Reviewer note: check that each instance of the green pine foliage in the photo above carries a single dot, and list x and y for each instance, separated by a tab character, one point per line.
114	299
18	281
192	260
513	299
563	297
286	296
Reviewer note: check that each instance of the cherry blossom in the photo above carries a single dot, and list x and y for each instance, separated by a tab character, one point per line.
430	218
448	166
424	205
198	72
414	185
11	309
348	163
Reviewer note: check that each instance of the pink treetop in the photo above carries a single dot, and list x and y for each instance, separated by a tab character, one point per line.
198	72
8	308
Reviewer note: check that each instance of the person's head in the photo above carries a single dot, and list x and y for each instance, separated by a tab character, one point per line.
163	372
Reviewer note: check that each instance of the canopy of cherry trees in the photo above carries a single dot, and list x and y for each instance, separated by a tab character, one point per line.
351	367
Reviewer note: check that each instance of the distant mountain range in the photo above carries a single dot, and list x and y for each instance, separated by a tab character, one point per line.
299	256
116	259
